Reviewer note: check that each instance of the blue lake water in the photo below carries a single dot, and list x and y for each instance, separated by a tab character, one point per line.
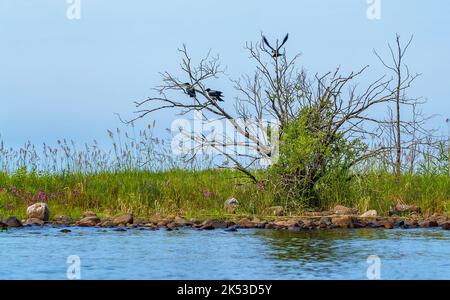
41	253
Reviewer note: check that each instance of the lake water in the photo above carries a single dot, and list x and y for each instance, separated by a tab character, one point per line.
41	253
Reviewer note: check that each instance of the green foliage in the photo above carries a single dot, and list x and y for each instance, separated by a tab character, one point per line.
312	160
145	193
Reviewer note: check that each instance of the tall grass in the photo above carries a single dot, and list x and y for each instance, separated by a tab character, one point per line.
139	174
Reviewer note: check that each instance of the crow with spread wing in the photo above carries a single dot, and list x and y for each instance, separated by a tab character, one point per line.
276	51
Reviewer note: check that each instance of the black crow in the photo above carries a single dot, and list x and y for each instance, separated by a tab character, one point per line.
217	95
189	89
276	52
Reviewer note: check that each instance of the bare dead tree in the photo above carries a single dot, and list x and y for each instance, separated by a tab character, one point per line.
278	93
447	121
403	80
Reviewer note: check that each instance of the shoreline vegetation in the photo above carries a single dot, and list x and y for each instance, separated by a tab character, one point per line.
327	148
167	190
212	199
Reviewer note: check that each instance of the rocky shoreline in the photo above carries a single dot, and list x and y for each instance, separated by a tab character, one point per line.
340	217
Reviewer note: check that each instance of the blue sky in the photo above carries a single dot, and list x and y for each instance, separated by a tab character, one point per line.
62	78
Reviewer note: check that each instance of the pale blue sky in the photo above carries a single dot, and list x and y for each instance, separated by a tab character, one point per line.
62	78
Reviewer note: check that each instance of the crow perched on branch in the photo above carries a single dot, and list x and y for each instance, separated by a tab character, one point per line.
276	52
189	89
216	95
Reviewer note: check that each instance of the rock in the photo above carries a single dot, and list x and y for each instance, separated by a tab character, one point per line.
62	220
317	213
232	228
34	221
388	225
162	223
89	213
405	208
107	223
342	222
258	223
275	211
65	230
119	229
325	221
139	221
439	218
305	224
342	210
123	220
369	214
231	205
13	222
38	211
89	221
3	226
284	224
428	224
195	221
172	226
413	224
246	223
270	226
358	224
446	226
213	224
181	222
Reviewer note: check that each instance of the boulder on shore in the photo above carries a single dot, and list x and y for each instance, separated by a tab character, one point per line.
342	222
342	210
88	221
405	208
181	222
13	222
439	218
38	211
34	221
123	220
428	224
107	223
213	224
231	205
369	214
62	220
246	223
3	225
446	226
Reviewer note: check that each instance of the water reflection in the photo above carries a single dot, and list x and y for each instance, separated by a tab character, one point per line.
314	244
245	254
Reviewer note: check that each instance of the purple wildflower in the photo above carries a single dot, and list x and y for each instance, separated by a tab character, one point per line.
42	196
207	193
260	186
